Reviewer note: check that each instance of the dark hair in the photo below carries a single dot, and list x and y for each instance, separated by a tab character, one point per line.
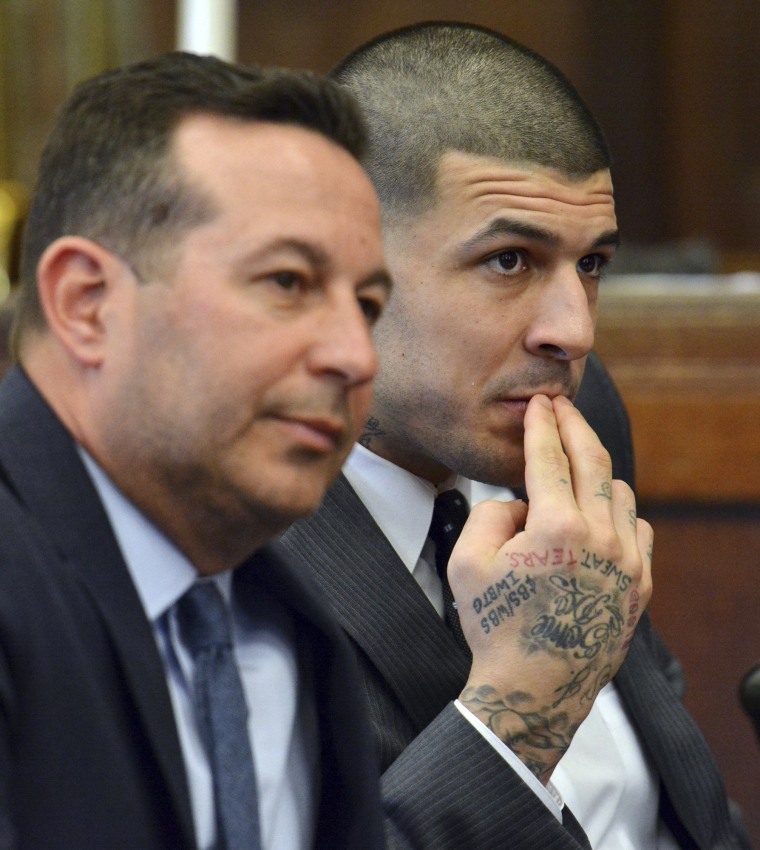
440	86
107	172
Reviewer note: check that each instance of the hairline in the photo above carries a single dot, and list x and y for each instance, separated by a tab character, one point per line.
163	197
446	59
399	213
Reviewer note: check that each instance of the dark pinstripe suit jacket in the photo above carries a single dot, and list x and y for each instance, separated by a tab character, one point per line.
444	786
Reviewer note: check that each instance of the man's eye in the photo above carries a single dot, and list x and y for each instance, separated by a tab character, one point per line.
371	309
508	262
592	265
287	280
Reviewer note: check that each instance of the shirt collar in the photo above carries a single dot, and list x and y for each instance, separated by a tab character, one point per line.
160	572
401	503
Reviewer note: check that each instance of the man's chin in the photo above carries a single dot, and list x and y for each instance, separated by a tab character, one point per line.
497	467
288	506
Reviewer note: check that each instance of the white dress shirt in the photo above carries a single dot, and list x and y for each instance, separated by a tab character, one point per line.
282	720
604	777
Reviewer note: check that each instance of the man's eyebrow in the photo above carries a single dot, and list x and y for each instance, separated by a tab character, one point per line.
609	239
511	227
320	260
314	255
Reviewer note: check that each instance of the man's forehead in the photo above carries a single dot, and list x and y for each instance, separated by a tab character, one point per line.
470	175
481	203
282	160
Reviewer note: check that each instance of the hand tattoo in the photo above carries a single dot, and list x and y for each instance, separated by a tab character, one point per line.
605	490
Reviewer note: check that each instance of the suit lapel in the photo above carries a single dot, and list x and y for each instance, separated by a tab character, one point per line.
675	744
379	603
39	460
274	569
328	664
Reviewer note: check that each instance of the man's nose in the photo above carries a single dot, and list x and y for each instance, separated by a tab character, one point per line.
343	344
563	326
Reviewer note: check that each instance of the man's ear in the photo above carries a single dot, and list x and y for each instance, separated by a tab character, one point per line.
75	278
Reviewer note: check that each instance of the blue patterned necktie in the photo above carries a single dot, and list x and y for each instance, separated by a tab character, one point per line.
222	715
449	516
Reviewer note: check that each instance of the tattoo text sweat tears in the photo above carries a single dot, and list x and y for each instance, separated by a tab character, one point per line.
577	618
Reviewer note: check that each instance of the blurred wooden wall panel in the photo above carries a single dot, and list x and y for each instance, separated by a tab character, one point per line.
316	35
710	96
46	48
685	354
674	83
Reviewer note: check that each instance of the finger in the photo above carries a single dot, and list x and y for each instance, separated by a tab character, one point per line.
640	593
623	540
590	464
490	525
547	470
645	540
635	563
635	534
623	504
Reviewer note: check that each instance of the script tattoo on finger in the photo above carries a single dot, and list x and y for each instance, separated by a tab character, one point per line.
371	429
632	517
605	490
539	737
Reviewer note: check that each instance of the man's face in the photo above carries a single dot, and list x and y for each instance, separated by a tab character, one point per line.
239	375
494	301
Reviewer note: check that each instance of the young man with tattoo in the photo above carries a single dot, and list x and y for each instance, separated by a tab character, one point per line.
499	220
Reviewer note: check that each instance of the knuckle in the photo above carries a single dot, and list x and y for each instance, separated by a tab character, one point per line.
622	492
607	542
555	460
570	527
599	456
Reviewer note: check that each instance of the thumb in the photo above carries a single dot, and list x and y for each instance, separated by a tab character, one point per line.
490	525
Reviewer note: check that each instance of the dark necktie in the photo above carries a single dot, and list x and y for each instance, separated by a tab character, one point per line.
574	828
449	516
222	714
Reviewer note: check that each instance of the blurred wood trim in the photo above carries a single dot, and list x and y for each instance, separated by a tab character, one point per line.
47	47
685	354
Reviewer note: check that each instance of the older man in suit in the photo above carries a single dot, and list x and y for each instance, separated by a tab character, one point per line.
202	265
499	222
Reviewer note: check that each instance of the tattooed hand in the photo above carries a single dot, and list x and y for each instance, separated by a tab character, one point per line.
550	610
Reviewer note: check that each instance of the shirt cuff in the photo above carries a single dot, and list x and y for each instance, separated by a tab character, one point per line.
548	794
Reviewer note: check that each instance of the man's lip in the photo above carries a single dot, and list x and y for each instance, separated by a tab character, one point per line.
524	398
322	432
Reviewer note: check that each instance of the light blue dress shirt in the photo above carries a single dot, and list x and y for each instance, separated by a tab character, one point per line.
282	723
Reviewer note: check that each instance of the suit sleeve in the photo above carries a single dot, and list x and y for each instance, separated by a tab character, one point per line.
12	550
667	662
7	832
450	790
673	672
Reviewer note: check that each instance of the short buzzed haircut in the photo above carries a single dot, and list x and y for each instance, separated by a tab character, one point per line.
107	172
437	87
